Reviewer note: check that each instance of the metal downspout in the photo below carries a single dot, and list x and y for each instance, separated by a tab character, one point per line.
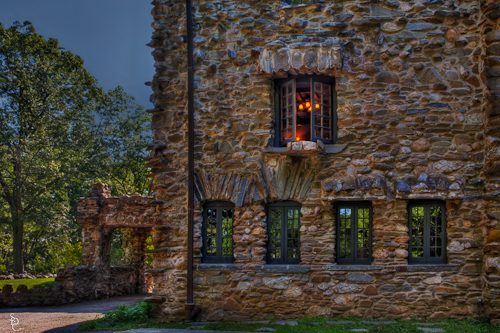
191	310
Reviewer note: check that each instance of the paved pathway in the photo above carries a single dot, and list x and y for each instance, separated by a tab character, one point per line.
63	318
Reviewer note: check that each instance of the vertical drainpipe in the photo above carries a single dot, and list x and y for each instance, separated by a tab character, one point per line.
191	310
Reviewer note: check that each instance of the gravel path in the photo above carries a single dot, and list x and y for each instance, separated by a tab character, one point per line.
63	318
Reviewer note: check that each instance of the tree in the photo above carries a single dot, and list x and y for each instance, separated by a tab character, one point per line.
122	134
44	93
59	133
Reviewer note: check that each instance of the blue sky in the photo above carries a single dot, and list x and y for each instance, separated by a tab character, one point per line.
110	36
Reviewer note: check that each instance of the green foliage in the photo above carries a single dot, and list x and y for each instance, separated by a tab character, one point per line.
122	134
149	252
137	313
30	283
59	134
122	317
117	251
309	325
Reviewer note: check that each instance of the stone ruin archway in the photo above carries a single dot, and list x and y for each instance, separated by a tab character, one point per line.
104	218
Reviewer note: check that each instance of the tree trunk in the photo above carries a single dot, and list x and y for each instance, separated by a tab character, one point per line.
18	233
17	213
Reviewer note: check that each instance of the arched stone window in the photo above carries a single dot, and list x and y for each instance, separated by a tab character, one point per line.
283	229
217	232
305	109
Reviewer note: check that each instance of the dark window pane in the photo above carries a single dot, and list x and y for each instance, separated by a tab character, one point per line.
363	232
435	223
211	232
417	231
293	233
345	232
275	219
227	232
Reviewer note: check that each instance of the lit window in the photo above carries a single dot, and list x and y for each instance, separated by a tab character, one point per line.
305	110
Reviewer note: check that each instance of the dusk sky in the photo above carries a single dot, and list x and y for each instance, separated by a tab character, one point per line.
110	36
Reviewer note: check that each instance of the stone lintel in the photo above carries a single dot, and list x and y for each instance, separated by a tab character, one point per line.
302	57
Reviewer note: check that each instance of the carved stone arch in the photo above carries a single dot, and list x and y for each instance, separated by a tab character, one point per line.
302	57
237	188
288	179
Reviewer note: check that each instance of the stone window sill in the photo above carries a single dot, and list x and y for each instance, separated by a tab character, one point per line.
336	267
304	148
218	267
428	268
285	5
283	268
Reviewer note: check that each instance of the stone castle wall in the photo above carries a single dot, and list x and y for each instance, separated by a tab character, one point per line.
412	108
491	259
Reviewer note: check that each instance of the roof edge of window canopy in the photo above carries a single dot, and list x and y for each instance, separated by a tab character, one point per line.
302	57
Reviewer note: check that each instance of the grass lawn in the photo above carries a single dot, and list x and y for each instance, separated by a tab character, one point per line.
125	318
30	283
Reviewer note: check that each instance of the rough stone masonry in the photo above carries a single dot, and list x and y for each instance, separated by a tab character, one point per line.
417	86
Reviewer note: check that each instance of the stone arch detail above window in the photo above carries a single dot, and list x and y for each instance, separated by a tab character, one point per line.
289	179
233	187
281	179
302	57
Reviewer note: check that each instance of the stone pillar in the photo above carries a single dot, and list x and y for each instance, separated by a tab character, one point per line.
491	250
390	232
169	156
92	232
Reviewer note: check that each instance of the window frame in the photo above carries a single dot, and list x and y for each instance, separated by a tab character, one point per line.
284	206
427	259
353	260
218	258
278	83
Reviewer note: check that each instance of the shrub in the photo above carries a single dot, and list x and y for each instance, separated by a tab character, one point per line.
137	313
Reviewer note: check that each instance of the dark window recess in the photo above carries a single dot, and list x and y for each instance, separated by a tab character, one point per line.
305	110
217	232
427	225
354	222
283	226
